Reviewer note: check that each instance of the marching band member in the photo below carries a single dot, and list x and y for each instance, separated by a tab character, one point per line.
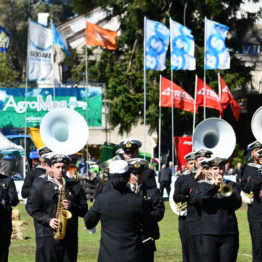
8	198
49	197
123	215
130	147
217	201
35	172
251	184
183	186
153	200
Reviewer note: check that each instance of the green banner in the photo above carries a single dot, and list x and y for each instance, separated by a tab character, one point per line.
15	107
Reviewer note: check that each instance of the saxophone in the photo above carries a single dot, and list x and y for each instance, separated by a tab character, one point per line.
62	215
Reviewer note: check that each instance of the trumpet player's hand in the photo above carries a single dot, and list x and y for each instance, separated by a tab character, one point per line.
66	204
199	173
217	180
53	223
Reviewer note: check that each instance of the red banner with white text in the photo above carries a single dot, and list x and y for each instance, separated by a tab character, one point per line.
183	146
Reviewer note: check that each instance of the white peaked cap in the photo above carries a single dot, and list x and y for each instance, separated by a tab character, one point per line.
118	167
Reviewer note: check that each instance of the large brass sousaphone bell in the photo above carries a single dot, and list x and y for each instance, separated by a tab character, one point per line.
216	135
64	131
256	124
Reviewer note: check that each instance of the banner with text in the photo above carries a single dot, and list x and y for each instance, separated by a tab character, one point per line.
39	101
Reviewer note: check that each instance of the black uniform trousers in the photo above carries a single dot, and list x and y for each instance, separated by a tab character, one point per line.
255	228
52	250
147	251
182	229
4	246
165	185
193	241
220	248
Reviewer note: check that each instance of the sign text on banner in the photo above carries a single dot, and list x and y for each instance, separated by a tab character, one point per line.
39	101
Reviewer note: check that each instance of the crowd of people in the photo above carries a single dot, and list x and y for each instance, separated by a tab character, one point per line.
129	206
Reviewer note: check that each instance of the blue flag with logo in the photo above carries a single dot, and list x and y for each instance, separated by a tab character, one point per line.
4	40
156	45
59	40
182	47
216	53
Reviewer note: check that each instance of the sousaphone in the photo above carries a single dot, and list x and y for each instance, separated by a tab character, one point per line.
180	208
64	131
216	135
256	125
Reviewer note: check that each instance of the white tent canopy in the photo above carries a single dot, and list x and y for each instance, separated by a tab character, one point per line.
6	146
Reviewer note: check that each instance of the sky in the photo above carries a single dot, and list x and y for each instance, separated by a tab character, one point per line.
251	7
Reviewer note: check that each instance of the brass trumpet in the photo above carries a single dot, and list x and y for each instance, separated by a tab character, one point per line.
225	190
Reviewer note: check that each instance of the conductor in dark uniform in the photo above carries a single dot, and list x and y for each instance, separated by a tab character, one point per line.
123	216
48	197
35	172
8	198
153	200
251	184
217	200
130	147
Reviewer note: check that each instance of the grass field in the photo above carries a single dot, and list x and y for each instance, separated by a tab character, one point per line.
168	246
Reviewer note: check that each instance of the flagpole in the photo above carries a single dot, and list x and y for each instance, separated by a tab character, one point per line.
86	89
159	125
219	90
145	33
195	97
205	72
172	108
26	87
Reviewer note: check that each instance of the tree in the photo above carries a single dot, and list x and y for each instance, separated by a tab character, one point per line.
14	17
122	70
7	75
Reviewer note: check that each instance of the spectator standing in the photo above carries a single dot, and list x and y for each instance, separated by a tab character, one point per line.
164	179
238	169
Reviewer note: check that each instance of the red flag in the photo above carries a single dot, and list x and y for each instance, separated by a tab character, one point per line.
212	99
183	145
98	36
182	99
227	98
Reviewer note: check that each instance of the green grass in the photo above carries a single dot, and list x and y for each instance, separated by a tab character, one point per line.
168	246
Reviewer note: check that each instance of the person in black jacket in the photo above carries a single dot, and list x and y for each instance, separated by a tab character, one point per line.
217	200
43	205
123	216
153	199
250	183
189	217
130	147
8	198
35	172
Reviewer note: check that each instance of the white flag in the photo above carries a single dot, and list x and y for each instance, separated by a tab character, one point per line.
157	40
182	47
39	52
216	53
